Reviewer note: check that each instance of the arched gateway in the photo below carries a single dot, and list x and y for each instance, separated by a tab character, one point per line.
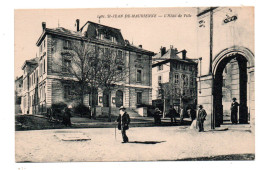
244	86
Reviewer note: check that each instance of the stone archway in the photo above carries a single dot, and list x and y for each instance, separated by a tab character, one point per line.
245	60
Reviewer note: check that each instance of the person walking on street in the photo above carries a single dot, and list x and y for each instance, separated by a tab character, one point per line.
172	114
201	118
234	110
123	120
157	116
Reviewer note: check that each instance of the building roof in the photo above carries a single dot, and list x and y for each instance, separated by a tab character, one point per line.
33	61
171	55
92	29
89	32
19	78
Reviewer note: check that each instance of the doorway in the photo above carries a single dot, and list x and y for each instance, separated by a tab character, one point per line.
119	98
228	84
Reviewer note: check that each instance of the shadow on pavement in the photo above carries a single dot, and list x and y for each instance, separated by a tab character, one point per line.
146	142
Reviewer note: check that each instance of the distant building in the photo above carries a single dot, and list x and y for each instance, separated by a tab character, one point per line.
174	79
18	94
44	79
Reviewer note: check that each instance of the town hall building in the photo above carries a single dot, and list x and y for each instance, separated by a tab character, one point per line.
45	81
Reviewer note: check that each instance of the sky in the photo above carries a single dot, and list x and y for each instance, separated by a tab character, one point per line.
168	26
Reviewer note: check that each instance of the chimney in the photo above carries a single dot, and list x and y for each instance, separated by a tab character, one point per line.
43	26
140	46
163	50
77	24
184	54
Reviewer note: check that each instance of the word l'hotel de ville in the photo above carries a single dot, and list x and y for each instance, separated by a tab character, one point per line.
142	81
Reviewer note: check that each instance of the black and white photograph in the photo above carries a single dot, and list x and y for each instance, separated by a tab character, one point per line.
143	84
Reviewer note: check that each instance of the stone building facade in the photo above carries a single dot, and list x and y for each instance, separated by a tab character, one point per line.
226	35
18	94
45	74
174	79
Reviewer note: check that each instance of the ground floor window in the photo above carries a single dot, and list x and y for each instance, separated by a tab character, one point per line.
139	97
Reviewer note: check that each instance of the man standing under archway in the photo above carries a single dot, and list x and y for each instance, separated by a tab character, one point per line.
234	109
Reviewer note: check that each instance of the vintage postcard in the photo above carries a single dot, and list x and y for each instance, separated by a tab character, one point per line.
134	84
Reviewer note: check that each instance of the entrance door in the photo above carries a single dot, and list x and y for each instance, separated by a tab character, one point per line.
105	98
119	98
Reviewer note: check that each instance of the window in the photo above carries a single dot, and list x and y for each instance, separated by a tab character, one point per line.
37	76
159	79
66	65
190	68
160	67
119	58
66	91
184	67
29	104
224	83
176	79
34	77
106	52
40	69
191	92
191	82
139	97
184	80
44	66
40	48
44	44
119	68
139	76
139	57
67	44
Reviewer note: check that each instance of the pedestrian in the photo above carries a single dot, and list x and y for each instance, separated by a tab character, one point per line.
181	115
234	110
123	122
172	114
201	118
192	114
157	116
193	118
67	116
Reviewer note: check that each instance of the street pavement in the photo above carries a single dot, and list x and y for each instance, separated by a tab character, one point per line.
145	144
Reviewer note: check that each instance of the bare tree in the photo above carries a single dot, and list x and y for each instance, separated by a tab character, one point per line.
112	71
78	64
94	68
173	90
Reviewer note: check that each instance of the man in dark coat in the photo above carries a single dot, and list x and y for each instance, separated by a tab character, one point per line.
172	114
201	118
67	116
157	116
123	122
234	110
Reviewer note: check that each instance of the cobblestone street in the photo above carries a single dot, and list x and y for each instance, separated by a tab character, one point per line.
145	144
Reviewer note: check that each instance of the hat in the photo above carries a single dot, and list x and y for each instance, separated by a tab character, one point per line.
122	108
200	106
234	98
